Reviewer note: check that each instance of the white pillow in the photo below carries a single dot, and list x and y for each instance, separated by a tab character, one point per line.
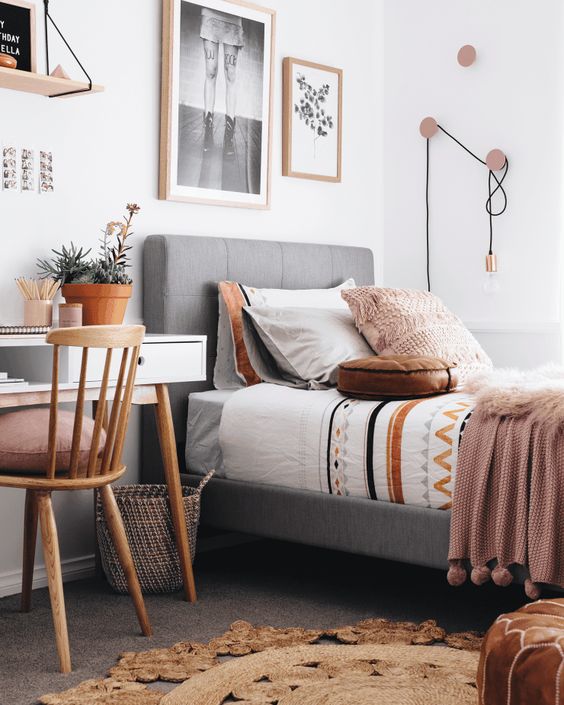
299	298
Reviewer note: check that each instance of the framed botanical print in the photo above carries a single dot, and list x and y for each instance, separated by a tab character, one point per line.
216	102
17	33
312	121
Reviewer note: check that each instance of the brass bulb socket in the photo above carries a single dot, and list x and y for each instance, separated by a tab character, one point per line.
491	263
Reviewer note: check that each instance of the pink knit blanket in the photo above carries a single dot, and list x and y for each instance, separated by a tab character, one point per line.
508	502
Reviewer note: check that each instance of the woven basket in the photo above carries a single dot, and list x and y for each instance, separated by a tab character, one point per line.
148	524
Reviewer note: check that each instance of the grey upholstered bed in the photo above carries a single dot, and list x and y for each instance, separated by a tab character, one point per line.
180	296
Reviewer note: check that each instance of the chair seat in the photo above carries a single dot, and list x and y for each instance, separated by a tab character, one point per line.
24	441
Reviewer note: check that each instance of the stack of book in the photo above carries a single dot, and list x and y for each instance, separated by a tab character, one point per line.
11	384
24	330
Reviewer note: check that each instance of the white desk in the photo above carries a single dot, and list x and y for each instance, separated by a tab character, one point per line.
163	360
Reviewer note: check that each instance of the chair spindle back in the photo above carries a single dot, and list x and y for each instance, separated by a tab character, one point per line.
128	339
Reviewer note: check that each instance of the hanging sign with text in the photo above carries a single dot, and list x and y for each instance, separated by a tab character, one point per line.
17	32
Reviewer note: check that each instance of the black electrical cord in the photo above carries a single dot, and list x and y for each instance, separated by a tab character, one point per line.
489	203
491	193
499	187
427	219
491	213
460	144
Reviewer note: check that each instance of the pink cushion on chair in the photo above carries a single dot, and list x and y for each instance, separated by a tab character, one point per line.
24	435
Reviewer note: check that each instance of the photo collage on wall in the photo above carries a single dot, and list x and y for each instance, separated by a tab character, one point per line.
45	172
27	171
20	170
9	169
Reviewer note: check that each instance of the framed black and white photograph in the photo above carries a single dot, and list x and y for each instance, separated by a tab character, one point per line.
216	105
17	33
312	121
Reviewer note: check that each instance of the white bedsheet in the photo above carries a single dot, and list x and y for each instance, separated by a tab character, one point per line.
203	452
399	451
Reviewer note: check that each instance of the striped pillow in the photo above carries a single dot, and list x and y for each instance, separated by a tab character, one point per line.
233	368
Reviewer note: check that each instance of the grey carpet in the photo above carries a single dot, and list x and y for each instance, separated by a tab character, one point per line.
263	582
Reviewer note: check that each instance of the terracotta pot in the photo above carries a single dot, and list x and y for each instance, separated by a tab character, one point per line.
102	304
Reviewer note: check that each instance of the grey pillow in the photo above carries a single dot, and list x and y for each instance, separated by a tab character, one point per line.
301	347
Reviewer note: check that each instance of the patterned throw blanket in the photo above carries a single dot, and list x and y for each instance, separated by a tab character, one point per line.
508	502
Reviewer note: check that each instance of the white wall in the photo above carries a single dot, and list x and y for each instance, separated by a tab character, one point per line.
106	153
510	98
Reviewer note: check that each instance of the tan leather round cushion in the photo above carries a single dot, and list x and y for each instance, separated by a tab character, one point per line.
23	440
396	377
522	657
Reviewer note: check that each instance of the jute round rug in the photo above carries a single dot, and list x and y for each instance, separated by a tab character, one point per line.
372	662
373	674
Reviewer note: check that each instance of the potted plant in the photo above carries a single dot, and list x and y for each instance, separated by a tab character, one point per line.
102	285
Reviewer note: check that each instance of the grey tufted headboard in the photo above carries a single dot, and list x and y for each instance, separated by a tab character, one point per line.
180	295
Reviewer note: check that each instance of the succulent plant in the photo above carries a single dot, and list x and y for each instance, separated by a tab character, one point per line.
107	272
67	266
70	266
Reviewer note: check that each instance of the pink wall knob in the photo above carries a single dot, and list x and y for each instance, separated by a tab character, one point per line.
428	127
466	55
495	160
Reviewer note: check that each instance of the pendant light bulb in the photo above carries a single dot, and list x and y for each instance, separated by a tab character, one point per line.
491	283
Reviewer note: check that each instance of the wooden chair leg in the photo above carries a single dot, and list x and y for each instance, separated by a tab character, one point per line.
30	538
167	441
117	531
54	577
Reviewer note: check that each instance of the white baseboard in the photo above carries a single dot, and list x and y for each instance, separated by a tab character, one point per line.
513	327
73	569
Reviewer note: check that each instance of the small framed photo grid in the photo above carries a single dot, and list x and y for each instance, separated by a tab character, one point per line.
312	120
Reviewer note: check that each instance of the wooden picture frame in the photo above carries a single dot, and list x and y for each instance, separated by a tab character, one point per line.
29	6
302	111
257	165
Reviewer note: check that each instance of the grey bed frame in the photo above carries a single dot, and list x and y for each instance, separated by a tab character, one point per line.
180	296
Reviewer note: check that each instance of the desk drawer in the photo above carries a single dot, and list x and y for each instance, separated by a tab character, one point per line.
158	362
172	362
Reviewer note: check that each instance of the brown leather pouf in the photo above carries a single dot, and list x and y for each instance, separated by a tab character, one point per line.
396	377
522	657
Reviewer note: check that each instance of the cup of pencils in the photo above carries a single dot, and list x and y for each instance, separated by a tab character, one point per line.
38	300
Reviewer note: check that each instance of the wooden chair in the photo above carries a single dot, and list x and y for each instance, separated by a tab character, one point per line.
96	468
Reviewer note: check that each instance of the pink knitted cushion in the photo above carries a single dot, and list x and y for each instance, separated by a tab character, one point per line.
410	322
23	440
